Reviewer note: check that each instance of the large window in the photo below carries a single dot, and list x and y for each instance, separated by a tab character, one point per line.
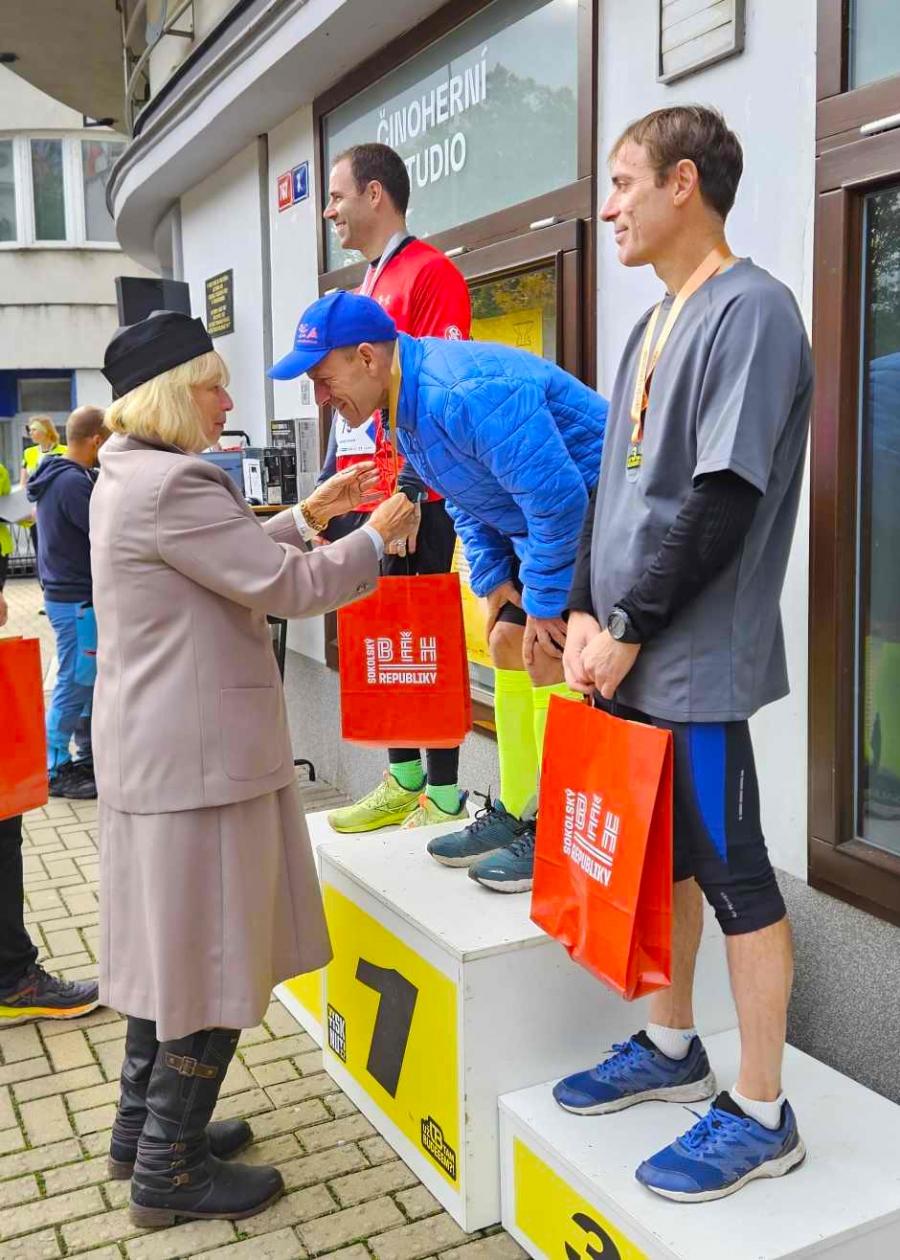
854	715
53	191
878	582
8	215
485	117
48	190
874	41
97	158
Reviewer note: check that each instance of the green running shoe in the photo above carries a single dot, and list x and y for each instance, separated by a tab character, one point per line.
388	805
430	814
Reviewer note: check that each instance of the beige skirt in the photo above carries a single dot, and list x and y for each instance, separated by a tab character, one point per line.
203	911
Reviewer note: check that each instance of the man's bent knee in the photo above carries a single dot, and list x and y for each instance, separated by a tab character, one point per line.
505	645
545	671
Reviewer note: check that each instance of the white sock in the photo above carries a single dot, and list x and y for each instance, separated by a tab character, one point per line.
768	1114
674	1042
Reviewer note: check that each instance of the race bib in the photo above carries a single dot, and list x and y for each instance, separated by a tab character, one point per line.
349	441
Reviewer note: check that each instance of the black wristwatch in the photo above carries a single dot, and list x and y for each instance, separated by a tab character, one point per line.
620	627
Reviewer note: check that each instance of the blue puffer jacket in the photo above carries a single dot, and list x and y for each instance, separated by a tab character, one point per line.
514	444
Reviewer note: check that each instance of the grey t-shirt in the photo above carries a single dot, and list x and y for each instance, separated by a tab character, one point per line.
732	390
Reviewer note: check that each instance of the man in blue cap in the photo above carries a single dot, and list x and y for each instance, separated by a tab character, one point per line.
514	444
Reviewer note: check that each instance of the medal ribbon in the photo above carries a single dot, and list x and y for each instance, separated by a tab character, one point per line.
711	264
393	404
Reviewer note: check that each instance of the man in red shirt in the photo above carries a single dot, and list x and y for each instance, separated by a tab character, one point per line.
425	295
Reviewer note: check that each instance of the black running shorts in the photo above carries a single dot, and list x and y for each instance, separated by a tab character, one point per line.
717	835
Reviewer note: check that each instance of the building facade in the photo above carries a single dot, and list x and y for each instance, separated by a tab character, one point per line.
59	259
505	111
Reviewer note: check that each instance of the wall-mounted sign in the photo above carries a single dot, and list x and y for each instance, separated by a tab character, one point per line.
293	186
486	117
300	182
220	304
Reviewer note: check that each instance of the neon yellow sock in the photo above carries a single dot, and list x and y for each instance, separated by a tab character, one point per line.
541	704
514	716
886	702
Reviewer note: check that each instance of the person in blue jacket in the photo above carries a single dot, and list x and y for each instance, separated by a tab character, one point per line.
62	488
513	443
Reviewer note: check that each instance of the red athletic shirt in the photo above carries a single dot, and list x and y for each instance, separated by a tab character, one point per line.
426	296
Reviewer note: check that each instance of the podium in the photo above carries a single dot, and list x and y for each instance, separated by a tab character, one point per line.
442	996
569	1186
302	995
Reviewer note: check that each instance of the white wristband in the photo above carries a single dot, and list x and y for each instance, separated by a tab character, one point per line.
304	529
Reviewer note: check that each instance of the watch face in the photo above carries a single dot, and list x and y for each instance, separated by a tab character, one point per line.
617	625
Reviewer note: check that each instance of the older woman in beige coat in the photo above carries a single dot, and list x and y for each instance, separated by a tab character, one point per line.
208	890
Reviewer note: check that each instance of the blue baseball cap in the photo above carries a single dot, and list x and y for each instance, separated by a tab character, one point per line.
339	319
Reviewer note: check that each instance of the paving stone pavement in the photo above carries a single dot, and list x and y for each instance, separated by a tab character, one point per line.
348	1195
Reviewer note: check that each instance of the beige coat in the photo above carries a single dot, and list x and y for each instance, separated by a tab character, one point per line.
208	889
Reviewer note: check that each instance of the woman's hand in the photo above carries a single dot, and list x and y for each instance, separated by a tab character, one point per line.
346	491
394	519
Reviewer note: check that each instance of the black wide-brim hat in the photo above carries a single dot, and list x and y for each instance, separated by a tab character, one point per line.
164	340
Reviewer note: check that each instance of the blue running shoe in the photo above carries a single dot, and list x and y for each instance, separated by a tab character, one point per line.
721	1153
491	829
637	1071
511	870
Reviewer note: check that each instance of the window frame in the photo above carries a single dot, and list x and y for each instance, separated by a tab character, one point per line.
73	191
849	166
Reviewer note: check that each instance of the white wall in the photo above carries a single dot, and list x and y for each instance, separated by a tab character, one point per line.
768	96
92	389
26	108
294	286
50	336
220	223
294	260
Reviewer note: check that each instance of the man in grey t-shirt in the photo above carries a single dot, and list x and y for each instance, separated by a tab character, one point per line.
675	622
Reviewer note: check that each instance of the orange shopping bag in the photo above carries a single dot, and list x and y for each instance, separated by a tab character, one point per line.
603	860
23	765
404	672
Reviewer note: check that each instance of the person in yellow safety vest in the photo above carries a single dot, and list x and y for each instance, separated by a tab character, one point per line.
6	538
46	442
44	435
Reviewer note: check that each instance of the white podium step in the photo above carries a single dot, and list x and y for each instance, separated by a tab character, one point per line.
443	995
569	1186
302	996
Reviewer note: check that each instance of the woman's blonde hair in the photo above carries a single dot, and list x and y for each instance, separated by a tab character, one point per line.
164	408
46	426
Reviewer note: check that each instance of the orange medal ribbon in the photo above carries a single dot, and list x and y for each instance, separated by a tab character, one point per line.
712	263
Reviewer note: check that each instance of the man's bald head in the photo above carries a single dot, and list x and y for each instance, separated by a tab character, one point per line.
85	434
85	422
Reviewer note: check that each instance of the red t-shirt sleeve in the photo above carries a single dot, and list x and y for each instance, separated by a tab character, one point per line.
440	304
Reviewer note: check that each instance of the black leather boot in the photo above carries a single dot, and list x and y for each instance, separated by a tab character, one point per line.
175	1175
226	1137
